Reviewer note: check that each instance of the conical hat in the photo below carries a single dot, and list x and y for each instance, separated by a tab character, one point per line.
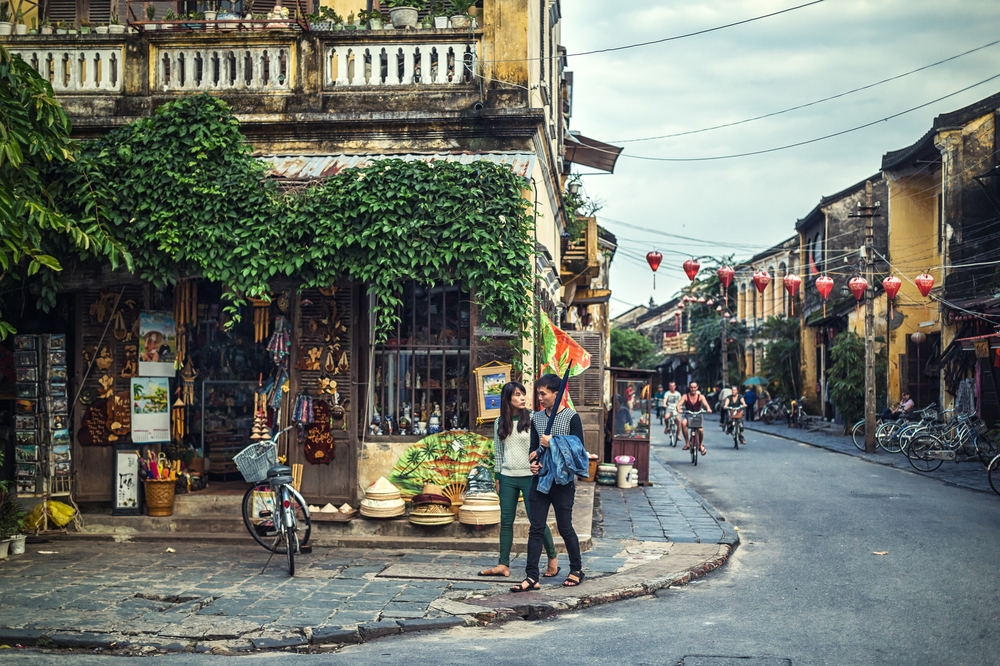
382	487
432	489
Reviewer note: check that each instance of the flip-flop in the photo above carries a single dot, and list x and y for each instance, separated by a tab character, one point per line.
552	575
703	452
491	572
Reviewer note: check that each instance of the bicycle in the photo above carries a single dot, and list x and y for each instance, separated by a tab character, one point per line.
888	433
673	430
273	511
993	474
929	447
797	414
736	426
694	425
773	411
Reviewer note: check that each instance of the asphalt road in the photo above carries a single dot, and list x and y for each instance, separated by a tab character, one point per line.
804	587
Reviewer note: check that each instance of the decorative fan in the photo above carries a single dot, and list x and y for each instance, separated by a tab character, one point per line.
454	492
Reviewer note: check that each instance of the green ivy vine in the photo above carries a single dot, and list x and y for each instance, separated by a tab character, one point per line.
186	197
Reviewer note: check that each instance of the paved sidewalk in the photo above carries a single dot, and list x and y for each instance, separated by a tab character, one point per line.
147	597
968	474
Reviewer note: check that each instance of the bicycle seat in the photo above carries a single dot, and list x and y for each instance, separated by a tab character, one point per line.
279	470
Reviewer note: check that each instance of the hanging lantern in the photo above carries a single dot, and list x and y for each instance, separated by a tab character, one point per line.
691	267
891	285
726	274
653	259
701	299
726	315
792	282
924	282
711	301
857	285
760	280
718	308
918	337
824	285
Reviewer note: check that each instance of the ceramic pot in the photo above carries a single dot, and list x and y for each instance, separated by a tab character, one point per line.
403	17
21	29
47	30
101	30
17	544
6	28
5	544
440	22
461	21
150	26
85	30
116	29
376	24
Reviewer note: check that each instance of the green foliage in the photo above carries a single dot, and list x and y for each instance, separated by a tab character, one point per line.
462	7
11	514
705	325
188	197
38	170
846	375
578	205
630	348
782	355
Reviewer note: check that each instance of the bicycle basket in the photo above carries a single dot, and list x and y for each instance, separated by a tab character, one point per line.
979	426
254	461
694	421
736	414
930	414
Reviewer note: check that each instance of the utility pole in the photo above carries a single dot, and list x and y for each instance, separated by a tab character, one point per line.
725	354
869	211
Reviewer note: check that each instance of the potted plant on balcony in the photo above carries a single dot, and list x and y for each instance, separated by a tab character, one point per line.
150	10
440	14
404	12
461	18
374	19
33	30
6	27
101	29
211	11
20	27
349	23
60	29
45	27
84	27
115	26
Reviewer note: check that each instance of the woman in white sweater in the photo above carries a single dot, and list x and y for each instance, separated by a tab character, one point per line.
511	441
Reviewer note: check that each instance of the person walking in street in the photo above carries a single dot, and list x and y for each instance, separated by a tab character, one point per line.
750	398
658	403
560	496
693	401
671	399
511	444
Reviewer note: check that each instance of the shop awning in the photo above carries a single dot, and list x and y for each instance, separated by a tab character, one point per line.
981	343
587	296
591	152
312	167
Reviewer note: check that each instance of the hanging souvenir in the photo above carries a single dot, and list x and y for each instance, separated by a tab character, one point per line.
342	366
260	430
120	331
261	319
188	375
104	306
312	362
119	415
177	419
107	383
131	365
280	342
327	386
104	359
303	413
331	360
318	438
284	303
93	428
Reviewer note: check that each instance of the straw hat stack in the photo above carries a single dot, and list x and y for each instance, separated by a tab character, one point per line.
431	507
382	500
480	509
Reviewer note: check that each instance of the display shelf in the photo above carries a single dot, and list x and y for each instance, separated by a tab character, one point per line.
226	418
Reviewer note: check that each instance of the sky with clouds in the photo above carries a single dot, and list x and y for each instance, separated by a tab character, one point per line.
743	205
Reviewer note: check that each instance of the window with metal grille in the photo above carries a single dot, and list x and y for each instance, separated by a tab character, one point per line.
425	363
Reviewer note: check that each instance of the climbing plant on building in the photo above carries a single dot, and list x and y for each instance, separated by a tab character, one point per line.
38	171
188	197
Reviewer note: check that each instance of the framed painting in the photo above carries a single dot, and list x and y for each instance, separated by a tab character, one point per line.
490	380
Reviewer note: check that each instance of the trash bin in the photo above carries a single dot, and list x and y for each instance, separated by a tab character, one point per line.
624	468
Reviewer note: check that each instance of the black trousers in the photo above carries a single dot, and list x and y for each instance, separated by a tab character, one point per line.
560	498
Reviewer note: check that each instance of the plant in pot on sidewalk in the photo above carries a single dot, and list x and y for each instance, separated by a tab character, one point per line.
461	18
11	520
404	12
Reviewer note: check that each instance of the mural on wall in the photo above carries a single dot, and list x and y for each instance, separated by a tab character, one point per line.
443	459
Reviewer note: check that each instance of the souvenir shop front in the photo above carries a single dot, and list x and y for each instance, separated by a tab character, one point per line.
143	378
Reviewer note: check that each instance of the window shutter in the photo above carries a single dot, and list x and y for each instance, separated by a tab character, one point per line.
61	10
100	12
587	389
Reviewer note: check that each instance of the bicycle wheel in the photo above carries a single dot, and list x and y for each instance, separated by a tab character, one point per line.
920	452
767	416
993	474
261	499
986	450
858	435
737	433
673	432
887	437
291	545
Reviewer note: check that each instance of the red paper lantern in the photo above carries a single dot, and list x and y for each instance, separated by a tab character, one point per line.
653	259
701	299
691	267
857	285
792	282
760	280
824	284
891	285
726	274
924	282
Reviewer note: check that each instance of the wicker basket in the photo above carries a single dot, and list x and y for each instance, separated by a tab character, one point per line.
160	497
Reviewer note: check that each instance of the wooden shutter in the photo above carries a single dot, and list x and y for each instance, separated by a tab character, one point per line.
588	388
62	10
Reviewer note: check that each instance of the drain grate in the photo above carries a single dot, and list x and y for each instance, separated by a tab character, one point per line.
717	660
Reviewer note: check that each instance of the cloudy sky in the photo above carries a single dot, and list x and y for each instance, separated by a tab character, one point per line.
746	204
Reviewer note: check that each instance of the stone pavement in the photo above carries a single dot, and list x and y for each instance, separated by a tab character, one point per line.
148	597
967	474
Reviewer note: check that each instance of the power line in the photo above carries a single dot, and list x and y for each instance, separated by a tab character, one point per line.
808	104
667	39
798	143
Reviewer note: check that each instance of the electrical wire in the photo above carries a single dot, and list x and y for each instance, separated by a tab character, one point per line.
664	39
649	158
808	104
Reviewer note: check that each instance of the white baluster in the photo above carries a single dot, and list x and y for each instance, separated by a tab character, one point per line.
409	66
425	65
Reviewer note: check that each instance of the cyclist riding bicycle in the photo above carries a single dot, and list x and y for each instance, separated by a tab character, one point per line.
671	399
693	401
734	399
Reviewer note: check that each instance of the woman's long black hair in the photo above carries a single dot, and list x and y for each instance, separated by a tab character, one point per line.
507	411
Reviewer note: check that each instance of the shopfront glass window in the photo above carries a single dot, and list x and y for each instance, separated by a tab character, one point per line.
421	373
631	409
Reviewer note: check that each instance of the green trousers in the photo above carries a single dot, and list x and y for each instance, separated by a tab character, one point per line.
510	488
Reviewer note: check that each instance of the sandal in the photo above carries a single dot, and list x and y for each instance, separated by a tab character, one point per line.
686	448
569	582
532	584
552	575
493	572
703	451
